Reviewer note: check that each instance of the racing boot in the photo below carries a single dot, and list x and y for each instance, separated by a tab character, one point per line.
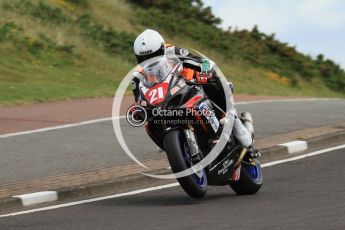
244	133
247	121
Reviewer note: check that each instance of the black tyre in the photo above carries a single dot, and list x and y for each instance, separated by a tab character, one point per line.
178	155
250	179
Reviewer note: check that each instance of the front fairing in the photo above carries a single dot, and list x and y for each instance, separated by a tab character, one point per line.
160	93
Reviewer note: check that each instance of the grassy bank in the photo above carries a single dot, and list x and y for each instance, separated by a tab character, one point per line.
60	49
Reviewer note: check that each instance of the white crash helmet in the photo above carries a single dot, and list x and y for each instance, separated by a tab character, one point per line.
148	44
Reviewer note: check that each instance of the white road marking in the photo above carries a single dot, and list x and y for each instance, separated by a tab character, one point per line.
58	127
285	100
92	200
121	117
299	157
38	197
163	186
295	146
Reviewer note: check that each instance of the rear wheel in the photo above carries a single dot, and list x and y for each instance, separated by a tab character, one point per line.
176	147
250	180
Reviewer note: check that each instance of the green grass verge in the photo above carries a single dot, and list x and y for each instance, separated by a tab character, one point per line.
62	49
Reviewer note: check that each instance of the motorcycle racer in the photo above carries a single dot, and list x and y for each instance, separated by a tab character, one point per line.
151	44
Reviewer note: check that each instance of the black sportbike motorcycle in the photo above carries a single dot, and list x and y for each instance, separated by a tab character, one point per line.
184	122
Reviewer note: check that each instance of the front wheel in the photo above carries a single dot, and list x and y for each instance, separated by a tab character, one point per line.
177	150
250	179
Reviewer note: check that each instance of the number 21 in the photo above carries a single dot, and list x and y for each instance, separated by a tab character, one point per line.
153	94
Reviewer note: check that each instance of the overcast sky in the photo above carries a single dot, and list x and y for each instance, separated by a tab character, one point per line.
313	26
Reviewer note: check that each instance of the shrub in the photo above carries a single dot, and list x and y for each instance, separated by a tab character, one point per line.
39	10
78	2
10	32
113	42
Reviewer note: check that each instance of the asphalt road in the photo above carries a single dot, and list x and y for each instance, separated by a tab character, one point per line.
90	146
304	194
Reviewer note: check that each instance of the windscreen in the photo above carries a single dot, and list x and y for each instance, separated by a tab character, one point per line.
156	71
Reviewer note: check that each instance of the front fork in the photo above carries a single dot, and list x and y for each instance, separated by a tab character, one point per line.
194	150
193	146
